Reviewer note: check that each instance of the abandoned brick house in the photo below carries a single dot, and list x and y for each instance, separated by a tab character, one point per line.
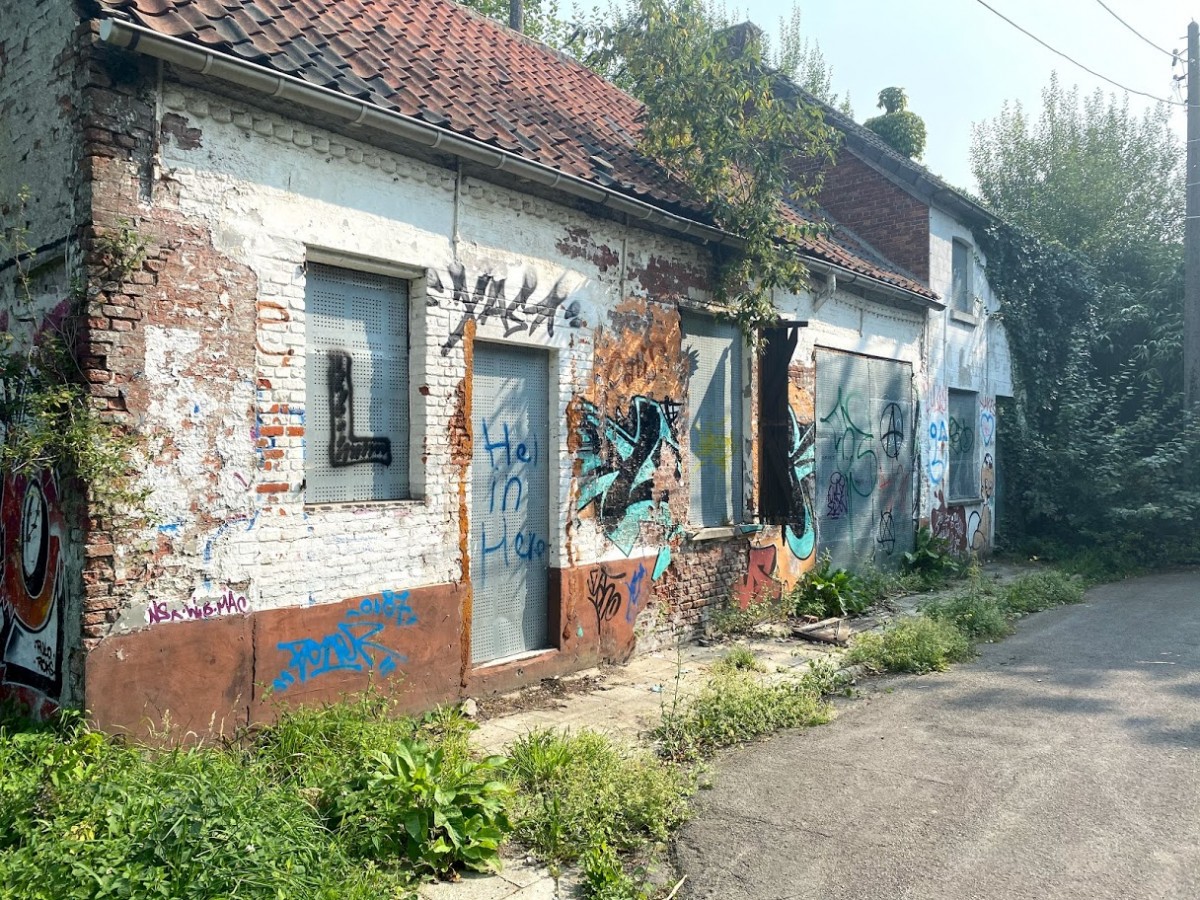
424	368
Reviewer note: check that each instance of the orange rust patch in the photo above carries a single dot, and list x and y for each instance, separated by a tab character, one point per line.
461	455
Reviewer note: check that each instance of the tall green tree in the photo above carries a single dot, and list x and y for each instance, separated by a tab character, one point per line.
1089	174
901	128
1101	454
719	118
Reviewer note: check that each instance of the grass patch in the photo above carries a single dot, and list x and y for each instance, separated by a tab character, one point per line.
977	616
733	707
577	792
738	659
916	645
731	620
1042	590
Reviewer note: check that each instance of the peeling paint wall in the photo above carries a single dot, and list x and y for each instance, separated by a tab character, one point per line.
967	352
257	591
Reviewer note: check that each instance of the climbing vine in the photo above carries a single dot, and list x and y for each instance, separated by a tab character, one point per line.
47	420
1099	452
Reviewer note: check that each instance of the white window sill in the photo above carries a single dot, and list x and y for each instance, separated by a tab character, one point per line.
720	532
964	318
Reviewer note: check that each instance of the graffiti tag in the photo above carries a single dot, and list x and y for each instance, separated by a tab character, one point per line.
345	447
228	603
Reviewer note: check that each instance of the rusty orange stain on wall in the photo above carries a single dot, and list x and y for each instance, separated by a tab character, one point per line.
461	448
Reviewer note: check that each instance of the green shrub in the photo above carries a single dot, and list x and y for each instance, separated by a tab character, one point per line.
825	592
735	707
930	560
878	584
577	791
431	813
1042	590
917	645
978	616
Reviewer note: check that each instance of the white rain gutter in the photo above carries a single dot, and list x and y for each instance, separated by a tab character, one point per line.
138	38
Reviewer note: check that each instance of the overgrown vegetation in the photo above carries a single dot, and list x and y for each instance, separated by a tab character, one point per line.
1101	455
930	560
339	802
47	418
948	628
736	706
718	118
824	592
899	127
577	793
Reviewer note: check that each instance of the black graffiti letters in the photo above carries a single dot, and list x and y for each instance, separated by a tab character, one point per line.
605	594
345	447
488	299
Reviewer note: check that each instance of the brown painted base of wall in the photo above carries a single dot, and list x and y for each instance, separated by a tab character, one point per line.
219	675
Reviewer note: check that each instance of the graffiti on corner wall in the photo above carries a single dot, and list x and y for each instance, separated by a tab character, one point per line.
801	529
33	537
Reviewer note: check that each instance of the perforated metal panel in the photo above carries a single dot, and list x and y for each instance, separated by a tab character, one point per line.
356	422
964	454
715	426
864	448
510	508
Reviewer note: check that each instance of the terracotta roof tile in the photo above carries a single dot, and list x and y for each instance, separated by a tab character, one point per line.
439	62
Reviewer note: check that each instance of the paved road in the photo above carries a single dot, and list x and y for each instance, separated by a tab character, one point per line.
1063	763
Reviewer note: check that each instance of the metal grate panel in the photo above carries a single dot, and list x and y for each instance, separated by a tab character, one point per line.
715	426
357	414
864	455
510	502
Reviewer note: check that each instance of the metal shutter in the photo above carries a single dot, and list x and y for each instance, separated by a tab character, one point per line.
715	426
357	415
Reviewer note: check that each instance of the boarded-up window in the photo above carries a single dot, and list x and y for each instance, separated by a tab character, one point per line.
960	287
964	465
715	424
356	439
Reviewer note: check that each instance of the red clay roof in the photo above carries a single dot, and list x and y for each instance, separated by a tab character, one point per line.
437	62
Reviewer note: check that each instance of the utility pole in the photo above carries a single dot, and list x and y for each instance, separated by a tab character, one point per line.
1191	235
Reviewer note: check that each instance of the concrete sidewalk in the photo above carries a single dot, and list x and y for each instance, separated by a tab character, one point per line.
626	702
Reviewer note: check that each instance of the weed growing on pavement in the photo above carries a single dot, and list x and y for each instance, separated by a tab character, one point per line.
1042	590
978	616
733	707
739	658
605	877
931	560
825	592
731	620
917	645
576	791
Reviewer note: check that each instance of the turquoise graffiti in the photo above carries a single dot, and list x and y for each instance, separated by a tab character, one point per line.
619	459
801	529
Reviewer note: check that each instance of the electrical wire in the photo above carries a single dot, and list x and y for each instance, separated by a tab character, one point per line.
1075	62
1108	10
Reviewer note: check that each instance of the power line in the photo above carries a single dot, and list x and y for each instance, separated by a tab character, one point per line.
1075	62
1108	10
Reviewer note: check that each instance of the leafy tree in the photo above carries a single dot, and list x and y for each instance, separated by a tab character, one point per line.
543	21
902	129
1100	451
719	118
1087	174
801	60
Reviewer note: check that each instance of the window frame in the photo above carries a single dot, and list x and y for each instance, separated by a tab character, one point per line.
733	434
970	456
962	288
320	264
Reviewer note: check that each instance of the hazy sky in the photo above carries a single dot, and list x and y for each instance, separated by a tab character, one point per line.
959	62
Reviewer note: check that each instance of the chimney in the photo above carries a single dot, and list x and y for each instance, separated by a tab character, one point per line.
516	15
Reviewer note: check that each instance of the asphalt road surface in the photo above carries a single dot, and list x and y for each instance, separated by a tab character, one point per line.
1064	762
